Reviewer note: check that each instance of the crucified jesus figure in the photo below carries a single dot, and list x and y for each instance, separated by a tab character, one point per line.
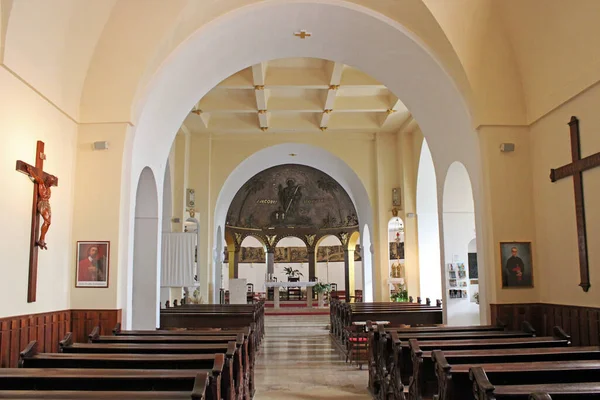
43	203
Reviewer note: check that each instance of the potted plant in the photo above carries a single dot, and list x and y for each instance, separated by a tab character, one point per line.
400	294
292	273
321	289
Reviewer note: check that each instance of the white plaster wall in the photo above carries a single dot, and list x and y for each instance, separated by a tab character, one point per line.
25	117
428	227
459	231
145	292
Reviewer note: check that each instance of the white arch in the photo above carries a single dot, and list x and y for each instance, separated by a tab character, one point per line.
367	262
145	284
430	269
342	32
306	155
458	230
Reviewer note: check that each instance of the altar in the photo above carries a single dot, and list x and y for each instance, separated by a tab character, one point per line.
277	285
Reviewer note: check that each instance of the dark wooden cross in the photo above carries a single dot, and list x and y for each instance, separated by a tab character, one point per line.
576	169
35	216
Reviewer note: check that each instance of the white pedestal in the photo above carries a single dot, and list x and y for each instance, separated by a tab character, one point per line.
237	291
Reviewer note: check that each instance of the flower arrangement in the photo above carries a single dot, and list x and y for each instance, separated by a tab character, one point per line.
322	288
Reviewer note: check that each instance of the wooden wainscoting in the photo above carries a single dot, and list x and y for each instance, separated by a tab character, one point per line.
48	329
582	323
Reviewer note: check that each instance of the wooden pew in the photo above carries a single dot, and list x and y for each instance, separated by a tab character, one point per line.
233	366
390	367
116	383
243	342
390	340
564	380
424	381
97	395
251	347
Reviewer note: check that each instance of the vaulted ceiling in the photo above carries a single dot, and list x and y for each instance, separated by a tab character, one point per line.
298	95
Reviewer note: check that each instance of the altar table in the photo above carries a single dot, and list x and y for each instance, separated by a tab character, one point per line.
277	285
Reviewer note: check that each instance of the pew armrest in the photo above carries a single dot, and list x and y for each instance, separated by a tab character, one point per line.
231	348
559	333
219	364
94	335
239	339
29	351
539	396
117	329
482	387
528	328
200	386
66	342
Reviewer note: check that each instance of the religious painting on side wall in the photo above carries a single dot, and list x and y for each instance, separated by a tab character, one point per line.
281	255
92	264
516	264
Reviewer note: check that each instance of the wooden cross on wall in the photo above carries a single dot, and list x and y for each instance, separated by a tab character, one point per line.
41	205
576	169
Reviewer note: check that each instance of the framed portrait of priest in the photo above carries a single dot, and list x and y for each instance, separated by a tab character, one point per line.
516	264
92	264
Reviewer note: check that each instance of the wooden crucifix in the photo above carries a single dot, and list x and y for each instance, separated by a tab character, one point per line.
576	169
41	206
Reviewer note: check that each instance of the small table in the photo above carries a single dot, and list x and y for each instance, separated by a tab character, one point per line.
277	285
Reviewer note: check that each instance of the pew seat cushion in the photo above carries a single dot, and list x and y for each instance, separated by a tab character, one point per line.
358	339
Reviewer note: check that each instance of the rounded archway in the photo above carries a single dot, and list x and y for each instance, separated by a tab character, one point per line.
343	32
145	284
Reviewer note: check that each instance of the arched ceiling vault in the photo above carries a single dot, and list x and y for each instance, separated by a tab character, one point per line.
101	56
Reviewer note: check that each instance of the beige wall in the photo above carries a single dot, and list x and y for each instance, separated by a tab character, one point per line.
508	185
97	205
25	117
554	203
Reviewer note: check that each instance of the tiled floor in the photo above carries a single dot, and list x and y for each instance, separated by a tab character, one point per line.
298	361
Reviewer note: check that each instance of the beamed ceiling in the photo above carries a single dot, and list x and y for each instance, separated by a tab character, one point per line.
298	95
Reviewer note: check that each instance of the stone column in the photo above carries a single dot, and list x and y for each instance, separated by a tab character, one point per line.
312	264
349	273
234	259
270	261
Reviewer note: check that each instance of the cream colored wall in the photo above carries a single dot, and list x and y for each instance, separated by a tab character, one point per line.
389	173
508	182
556	47
479	38
25	117
96	210
554	204
55	56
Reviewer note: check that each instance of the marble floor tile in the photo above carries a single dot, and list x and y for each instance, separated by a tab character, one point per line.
298	361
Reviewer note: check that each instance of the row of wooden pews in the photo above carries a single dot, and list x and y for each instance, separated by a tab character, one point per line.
209	363
479	362
347	320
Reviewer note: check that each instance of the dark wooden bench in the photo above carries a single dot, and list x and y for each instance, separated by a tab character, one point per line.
454	380
424	380
234	365
483	389
391	366
243	342
99	395
109	380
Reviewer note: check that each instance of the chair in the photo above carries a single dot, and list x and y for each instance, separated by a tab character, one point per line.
250	293
358	296
294	291
357	344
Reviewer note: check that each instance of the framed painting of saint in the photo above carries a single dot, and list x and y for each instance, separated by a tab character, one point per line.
92	264
516	264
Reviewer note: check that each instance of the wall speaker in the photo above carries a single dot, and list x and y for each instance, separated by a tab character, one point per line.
507	147
100	145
